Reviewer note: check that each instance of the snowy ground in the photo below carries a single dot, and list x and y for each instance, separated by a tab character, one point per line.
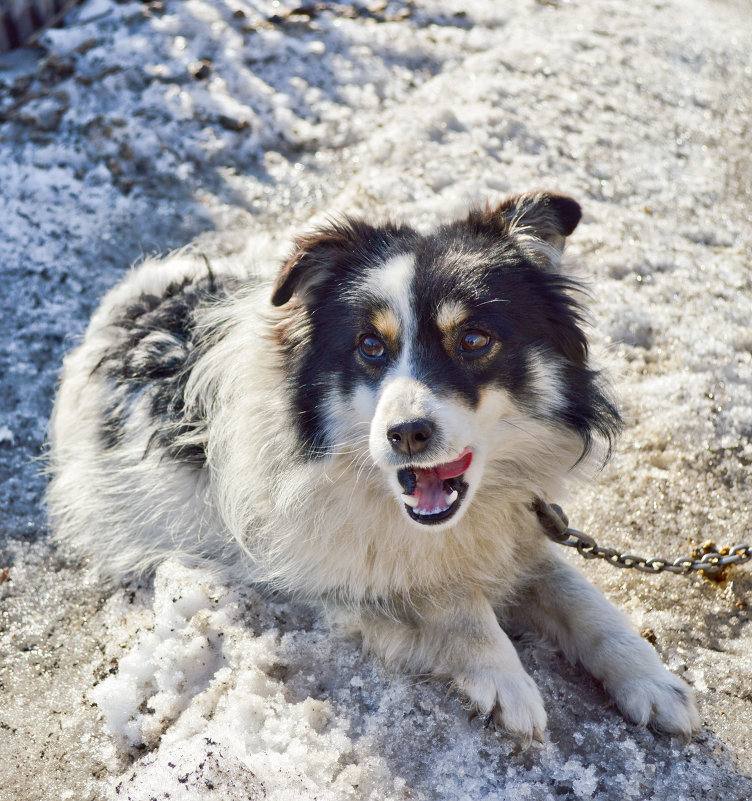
141	125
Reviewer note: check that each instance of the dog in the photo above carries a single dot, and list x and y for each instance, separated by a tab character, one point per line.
368	433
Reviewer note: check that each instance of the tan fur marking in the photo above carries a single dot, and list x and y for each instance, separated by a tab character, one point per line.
386	323
451	313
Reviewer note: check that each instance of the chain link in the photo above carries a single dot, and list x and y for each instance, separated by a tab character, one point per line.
707	559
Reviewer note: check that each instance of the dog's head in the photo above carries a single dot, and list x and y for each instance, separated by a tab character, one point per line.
436	351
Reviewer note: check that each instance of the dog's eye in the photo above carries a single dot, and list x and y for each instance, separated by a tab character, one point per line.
371	347
474	341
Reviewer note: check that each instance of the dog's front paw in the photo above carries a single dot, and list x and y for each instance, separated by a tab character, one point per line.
512	702
659	700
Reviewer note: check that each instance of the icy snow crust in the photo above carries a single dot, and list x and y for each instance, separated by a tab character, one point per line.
141	125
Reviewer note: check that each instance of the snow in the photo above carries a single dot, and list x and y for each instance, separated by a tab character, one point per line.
141	125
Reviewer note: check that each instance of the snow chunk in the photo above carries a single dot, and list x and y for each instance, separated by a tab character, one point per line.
198	685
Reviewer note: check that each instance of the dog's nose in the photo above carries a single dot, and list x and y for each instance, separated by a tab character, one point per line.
410	437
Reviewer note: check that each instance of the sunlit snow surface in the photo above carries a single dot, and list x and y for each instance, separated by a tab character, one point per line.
139	126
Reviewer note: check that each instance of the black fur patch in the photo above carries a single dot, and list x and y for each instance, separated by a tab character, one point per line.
158	345
528	309
321	351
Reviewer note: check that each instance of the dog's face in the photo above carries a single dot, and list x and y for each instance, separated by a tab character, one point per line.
436	350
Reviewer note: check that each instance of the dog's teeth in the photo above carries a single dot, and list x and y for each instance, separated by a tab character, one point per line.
452	498
410	500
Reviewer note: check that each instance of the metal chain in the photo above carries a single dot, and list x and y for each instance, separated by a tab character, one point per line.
705	559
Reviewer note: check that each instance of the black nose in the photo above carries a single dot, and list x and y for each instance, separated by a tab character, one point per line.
410	437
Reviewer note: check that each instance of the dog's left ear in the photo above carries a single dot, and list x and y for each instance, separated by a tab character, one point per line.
548	217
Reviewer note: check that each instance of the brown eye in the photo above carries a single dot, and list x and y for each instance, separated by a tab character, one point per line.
474	341
371	347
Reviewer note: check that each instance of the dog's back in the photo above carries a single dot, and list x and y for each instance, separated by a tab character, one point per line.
127	449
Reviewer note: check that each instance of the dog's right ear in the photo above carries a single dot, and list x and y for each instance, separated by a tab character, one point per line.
342	247
316	257
313	259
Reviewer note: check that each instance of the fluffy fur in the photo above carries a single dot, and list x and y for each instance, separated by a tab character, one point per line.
370	439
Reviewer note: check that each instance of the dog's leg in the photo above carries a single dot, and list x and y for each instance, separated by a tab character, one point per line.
563	606
460	639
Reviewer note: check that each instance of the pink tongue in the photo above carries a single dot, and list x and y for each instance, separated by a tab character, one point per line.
455	468
430	483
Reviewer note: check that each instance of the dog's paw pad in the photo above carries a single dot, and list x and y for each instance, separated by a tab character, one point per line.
660	700
510	703
525	727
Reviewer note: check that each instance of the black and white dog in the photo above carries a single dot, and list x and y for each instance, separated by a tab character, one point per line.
371	439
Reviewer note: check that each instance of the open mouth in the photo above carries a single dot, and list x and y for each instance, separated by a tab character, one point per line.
433	494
